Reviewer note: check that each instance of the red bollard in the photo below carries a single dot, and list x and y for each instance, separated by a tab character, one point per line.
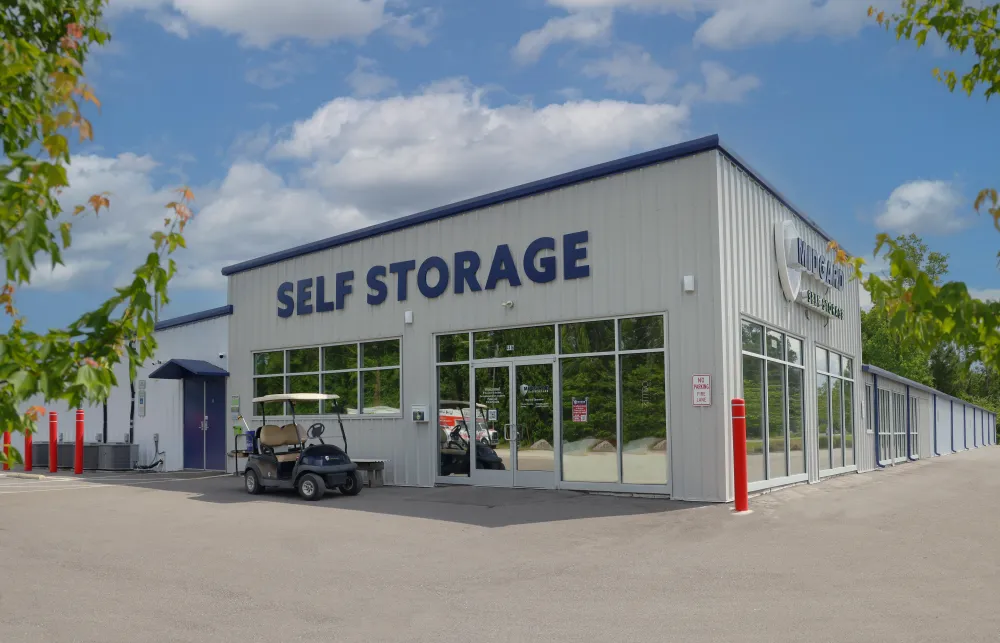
740	455
6	449
28	451
78	459
53	441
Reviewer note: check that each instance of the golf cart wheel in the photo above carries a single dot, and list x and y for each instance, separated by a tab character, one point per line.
311	487
353	485
252	482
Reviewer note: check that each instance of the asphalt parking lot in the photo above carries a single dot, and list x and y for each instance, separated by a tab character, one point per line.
907	554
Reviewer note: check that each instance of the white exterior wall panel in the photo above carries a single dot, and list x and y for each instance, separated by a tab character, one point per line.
750	287
647	228
203	340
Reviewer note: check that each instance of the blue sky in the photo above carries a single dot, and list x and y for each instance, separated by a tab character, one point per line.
302	119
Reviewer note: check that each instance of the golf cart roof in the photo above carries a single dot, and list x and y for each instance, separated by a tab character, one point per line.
460	404
296	397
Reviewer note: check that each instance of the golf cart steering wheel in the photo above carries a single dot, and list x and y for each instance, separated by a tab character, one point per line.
316	431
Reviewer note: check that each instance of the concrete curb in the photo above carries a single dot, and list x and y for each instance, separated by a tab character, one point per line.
18	474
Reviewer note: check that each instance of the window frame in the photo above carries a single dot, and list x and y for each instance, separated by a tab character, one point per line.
831	374
557	356
358	369
789	477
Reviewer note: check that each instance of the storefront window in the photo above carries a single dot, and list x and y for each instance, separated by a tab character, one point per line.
612	378
371	387
644	407
589	437
515	342
587	337
772	388
454	419
835	409
453	348
641	333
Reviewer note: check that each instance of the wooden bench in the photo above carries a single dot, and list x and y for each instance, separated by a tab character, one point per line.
372	470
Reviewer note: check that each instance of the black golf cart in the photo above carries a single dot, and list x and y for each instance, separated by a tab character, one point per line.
281	457
455	440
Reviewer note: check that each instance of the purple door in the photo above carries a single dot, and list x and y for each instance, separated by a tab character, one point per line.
205	399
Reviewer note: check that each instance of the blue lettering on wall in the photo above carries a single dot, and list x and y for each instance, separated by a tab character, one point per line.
573	254
322	305
402	268
433	263
344	287
503	268
376	284
286	305
303	296
466	267
546	271
540	265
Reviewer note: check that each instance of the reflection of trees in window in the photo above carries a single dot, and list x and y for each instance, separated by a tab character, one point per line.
453	348
753	386
534	405
515	342
587	337
642	332
332	369
644	411
592	378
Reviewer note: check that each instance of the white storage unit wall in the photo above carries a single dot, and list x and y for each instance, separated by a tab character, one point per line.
932	424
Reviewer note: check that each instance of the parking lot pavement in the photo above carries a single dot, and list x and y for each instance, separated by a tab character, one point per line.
903	554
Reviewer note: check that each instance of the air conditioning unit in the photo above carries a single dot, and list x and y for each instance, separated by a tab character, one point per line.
117	456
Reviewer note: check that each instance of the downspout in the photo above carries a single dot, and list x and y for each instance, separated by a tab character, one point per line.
952	407
965	428
935	425
105	438
909	428
975	438
878	449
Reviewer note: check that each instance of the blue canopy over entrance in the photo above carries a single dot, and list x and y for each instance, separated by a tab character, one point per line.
181	369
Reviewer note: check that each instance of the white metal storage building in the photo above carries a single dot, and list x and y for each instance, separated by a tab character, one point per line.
602	320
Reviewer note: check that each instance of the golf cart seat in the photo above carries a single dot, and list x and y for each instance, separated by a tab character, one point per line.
290	435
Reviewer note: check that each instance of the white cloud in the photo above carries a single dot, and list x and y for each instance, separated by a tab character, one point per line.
359	161
631	70
732	24
738	23
923	207
259	23
366	81
721	86
276	73
576	27
408	152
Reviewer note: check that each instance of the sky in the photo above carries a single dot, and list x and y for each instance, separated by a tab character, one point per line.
298	120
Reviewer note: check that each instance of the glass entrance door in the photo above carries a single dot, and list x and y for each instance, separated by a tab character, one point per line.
515	424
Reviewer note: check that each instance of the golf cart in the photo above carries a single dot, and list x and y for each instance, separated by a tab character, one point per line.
281	458
454	440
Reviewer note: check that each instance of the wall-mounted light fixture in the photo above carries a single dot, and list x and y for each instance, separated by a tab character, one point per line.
688	283
408	317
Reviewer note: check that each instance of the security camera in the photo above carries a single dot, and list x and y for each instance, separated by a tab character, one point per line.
222	355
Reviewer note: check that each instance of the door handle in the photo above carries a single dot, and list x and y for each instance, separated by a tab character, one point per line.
506	432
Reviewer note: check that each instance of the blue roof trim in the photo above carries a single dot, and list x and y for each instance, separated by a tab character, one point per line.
204	315
634	162
179	369
881	372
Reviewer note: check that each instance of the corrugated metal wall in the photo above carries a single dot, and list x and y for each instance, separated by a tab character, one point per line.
647	229
750	287
164	398
936	440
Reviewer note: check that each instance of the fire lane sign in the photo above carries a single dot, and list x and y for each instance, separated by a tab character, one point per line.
701	390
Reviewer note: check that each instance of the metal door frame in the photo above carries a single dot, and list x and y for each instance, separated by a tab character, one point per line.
511	477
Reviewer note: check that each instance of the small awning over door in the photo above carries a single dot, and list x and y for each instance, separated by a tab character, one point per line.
179	369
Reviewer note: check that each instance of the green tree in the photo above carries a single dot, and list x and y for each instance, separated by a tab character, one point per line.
43	47
922	312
